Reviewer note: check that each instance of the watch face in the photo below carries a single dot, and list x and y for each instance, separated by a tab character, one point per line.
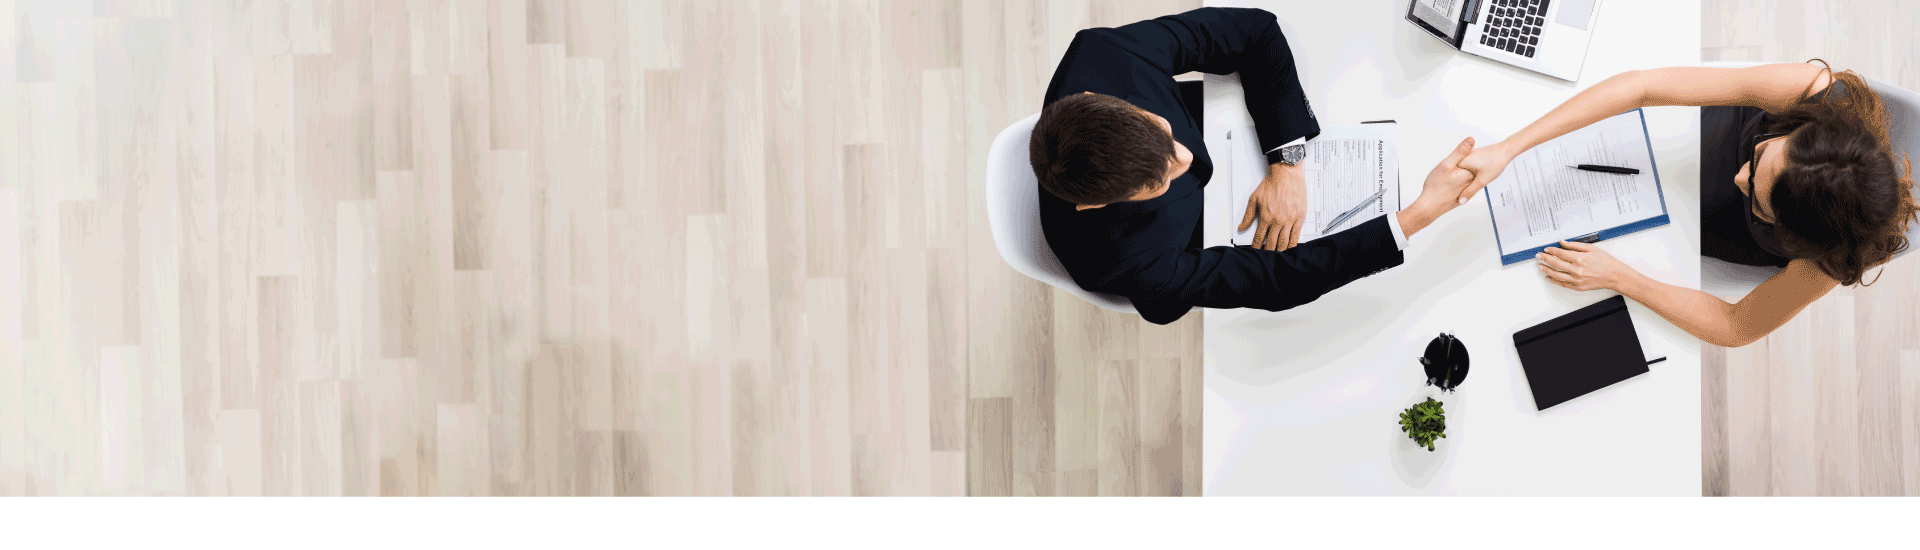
1292	155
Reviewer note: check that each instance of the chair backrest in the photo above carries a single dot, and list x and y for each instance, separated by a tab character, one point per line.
1903	124
1013	209
1903	121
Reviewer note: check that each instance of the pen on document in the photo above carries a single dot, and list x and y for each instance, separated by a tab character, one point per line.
1607	169
1356	210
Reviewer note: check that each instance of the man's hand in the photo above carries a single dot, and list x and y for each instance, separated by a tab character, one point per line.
1441	192
1486	163
1281	205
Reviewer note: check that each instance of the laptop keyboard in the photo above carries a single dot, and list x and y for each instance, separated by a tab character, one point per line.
1514	25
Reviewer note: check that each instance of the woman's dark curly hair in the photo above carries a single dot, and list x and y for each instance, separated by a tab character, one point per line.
1845	198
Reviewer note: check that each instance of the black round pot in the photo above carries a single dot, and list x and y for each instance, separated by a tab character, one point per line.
1445	362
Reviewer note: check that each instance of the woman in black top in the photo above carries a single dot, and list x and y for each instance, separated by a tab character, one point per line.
1797	171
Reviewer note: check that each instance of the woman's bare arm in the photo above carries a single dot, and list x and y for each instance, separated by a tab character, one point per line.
1717	322
1772	87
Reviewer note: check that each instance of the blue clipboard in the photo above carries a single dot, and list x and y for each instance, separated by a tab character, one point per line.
1507	258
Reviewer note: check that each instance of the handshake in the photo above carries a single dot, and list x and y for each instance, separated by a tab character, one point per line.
1454	181
1279	204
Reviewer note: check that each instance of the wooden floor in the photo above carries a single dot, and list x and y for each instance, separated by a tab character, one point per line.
541	247
665	247
1830	403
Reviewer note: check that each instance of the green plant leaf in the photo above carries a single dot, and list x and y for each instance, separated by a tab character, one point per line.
1425	422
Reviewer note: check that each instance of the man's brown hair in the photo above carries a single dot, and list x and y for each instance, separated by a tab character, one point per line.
1098	149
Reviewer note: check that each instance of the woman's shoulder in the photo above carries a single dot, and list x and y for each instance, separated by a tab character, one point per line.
1796	83
1827	88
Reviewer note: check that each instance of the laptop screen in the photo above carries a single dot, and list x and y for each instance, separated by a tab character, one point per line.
1440	17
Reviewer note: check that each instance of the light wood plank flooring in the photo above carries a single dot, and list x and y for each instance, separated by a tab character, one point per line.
1830	403
550	247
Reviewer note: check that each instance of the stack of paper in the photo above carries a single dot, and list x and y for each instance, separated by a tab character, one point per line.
1344	165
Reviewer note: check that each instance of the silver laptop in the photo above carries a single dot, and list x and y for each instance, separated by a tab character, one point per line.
1544	36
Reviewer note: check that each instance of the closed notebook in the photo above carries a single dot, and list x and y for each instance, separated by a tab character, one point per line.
1580	352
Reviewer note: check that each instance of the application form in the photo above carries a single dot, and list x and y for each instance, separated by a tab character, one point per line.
1344	165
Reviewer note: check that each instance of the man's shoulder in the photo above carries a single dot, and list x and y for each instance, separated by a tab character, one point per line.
1093	37
1095	61
1100	45
1111	45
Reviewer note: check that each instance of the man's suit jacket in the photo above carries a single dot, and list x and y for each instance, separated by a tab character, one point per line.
1145	250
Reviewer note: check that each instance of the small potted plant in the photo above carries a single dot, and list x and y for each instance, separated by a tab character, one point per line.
1424	422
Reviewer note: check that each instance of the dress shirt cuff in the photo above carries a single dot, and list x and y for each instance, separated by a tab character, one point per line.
1399	237
1296	141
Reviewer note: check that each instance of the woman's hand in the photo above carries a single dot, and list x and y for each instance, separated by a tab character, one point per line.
1486	163
1582	266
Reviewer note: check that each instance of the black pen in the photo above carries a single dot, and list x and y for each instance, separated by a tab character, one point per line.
1607	169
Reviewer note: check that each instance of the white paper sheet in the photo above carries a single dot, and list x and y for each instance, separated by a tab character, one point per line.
1344	165
1441	14
1541	199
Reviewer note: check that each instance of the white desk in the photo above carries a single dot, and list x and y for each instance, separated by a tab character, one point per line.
1307	401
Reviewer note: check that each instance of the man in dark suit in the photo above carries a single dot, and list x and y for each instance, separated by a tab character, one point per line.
1120	158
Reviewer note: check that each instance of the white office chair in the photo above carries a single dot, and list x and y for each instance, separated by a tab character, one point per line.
1903	113
1013	208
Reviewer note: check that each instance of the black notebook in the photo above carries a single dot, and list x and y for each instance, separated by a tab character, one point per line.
1580	352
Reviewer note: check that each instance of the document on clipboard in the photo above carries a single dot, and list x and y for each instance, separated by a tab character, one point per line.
1541	199
1344	165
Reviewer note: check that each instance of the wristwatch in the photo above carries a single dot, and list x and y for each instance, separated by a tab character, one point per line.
1289	155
